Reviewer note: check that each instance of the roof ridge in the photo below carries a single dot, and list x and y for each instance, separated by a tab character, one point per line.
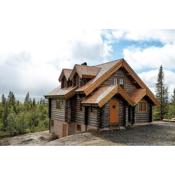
85	65
66	69
110	61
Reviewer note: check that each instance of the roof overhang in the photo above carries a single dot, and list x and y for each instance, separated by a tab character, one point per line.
65	93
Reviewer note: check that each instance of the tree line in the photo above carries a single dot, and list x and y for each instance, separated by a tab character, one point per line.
22	117
166	109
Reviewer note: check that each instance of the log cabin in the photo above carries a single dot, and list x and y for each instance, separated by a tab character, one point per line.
105	96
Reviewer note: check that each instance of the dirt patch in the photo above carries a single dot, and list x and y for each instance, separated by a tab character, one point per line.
38	138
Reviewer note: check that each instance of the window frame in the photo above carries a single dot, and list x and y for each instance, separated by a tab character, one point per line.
142	108
121	84
115	81
60	101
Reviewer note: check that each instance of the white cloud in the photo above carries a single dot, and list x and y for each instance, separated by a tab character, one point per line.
165	36
151	57
34	63
150	78
148	60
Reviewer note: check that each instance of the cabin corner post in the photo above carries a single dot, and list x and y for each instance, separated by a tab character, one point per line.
124	114
99	118
129	113
150	113
133	115
49	111
86	116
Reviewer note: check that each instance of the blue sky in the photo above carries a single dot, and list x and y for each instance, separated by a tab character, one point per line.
33	62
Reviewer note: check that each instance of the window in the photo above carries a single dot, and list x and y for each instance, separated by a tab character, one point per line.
142	107
121	82
59	103
115	81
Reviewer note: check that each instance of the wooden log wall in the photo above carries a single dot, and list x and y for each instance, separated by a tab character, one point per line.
79	111
141	117
93	117
105	116
58	114
128	82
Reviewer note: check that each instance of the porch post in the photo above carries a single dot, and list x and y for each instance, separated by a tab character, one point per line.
124	114
133	115
49	111
99	117
86	115
129	114
150	113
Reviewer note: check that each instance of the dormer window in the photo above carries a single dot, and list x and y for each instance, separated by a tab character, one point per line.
64	78
63	83
121	82
76	80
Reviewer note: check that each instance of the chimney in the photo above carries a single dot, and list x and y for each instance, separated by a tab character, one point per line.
84	64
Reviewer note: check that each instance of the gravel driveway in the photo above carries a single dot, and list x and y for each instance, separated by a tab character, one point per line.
156	133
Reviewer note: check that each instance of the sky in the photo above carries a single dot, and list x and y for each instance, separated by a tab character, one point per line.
34	48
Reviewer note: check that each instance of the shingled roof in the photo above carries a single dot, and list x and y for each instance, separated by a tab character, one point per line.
84	71
98	74
137	95
66	73
106	70
62	92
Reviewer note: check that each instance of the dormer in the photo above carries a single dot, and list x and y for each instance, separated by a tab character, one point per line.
81	74
64	78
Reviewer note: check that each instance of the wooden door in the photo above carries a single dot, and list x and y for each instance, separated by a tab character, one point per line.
114	111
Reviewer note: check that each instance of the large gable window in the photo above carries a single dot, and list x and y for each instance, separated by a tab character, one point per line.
121	82
115	81
142	107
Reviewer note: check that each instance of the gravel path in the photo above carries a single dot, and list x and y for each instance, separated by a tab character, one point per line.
156	133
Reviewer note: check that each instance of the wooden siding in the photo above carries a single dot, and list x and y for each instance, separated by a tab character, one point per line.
79	113
73	108
121	110
141	117
83	81
105	116
58	114
93	117
128	83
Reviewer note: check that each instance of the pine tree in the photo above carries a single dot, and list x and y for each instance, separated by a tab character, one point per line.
11	98
162	93
165	101
4	116
33	102
3	100
173	97
27	98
